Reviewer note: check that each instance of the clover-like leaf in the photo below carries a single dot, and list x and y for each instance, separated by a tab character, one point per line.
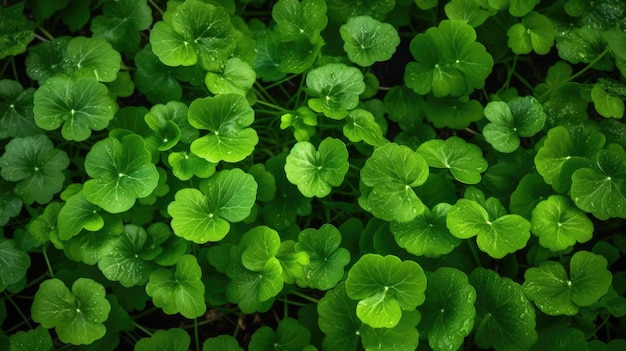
326	258
303	120
448	317
392	172
535	33
174	339
337	88
601	189
520	117
222	342
13	262
497	235
289	335
367	40
186	165
457	113
427	234
196	32
37	339
36	166
315	172
237	77
77	315
227	117
77	214
168	122
299	18
384	286
16	32
122	171
80	105
16	109
362	125
472	12
555	293
181	291
448	61
505	318
560	225
121	23
608	98
203	214
464	160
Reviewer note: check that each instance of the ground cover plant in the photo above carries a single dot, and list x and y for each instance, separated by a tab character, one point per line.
312	175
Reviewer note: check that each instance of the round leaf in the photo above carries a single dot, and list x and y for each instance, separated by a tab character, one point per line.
13	262
367	40
289	335
520	117
338	320
222	342
173	339
16	109
237	77
560	225
92	58
37	339
299	18
77	214
337	87
535	33
464	160
315	172
384	286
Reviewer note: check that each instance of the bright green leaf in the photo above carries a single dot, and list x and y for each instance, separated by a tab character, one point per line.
121	23
37	339
559	224
361	125
92	58
186	165
169	122
77	214
237	77
472	12
174	339
520	117
289	336
222	342
535	33
337	88
303	120
608	98
299	18
464	160
367	40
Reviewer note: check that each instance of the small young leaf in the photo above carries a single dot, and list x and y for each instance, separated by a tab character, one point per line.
77	315
337	88
174	339
520	117
303	120
37	339
79	104
45	225
227	117
315	172
535	33
13	262
181	291
203	214
289	335
560	225
384	286
362	125
36	166
326	258
338	320
448	317
237	77
122	171
464	160
427	234
77	214
367	40
505	319
169	122
16	109
186	165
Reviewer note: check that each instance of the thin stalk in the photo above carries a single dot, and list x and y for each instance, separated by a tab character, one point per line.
46	33
196	334
143	329
19	311
274	106
156	7
45	257
304	296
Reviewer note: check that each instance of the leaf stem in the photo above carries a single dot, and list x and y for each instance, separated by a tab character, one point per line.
143	329
276	107
19	311
46	33
156	7
196	334
304	296
45	257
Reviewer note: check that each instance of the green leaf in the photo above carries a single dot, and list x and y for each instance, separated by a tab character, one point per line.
174	339
384	286
16	32
582	45
77	315
392	172
496	234
202	215
505	319
258	246
77	214
457	113
181	291
315	172
608	98
168	122
361	125
338	320
289	335
295	19
303	120
601	189
154	79
535	33
529	192
517	8
13	262
464	160
448	317
10	203
237	77
186	165
79	105
616	39
36	166
560	225
326	258
340	11
337	88
448	61
122	171
129	258
92	58
222	342
427	234
367	40
37	339
520	117
45	225
555	293
402	337
197	32
47	59
121	23
291	261
227	117
472	12
16	109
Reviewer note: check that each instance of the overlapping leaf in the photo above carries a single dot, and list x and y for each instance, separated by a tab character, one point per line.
464	160
337	87
520	117
367	40
16	109
560	225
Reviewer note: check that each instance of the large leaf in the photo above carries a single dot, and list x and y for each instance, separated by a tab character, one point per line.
122	171
367	40
203	214
79	105
16	109
505	318
338	320
37	339
16	32
315	172
227	117
289	335
36	166
464	160
560	225
92	58
299	18
180	291
121	23
384	287
77	315
337	88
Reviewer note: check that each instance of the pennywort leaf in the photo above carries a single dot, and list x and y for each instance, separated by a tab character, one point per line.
77	314
367	40
237	77
535	33
315	172
289	335
77	214
295	19
362	125
37	339
203	214
338	320
92	58
121	23
13	262
384	287
16	31
559	224
337	88
16	109
520	117
174	339
464	160
186	165
303	120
